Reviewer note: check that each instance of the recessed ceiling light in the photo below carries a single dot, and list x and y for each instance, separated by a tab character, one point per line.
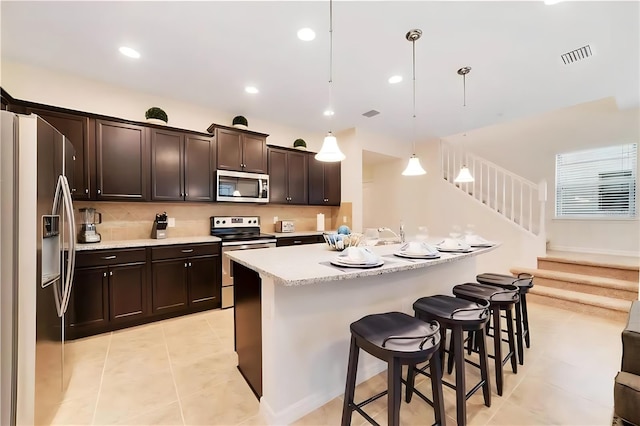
329	112
251	89
131	53
395	79
306	34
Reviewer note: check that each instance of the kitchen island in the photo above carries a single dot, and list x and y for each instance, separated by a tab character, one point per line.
293	310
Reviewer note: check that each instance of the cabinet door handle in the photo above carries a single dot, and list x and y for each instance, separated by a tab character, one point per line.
99	191
186	194
187	250
73	190
86	190
110	273
189	264
108	257
185	264
104	274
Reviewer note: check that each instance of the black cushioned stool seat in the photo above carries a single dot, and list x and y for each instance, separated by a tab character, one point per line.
398	339
500	299
524	282
457	315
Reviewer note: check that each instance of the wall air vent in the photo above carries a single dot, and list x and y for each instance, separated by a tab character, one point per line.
371	113
576	55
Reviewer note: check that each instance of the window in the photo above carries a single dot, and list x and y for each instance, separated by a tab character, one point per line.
597	183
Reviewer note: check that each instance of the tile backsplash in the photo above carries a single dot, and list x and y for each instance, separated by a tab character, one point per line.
130	221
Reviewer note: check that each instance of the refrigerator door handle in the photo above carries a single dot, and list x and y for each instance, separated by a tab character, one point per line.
71	259
63	194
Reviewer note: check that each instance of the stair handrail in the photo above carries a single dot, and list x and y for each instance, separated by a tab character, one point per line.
537	192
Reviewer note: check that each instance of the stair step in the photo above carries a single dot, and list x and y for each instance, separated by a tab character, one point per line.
602	306
586	281
606	269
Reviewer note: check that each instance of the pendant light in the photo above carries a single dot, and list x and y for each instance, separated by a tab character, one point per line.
330	151
465	175
414	168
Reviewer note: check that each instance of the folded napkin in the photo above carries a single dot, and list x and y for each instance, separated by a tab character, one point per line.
453	244
418	248
473	240
358	255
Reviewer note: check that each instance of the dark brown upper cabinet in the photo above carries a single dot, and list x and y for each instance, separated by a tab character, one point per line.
288	176
122	161
182	166
76	129
324	183
240	150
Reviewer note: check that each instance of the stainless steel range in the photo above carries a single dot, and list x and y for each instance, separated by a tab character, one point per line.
237	233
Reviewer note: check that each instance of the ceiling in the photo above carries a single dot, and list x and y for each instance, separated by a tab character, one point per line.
207	52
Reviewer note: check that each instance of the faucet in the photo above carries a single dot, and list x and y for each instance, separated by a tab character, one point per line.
399	237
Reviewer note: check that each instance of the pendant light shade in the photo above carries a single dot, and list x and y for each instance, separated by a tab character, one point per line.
330	151
464	176
414	168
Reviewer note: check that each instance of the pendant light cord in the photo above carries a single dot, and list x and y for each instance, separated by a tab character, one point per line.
413	43
331	63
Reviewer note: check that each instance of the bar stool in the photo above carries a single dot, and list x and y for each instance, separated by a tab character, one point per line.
457	315
398	339
524	282
499	300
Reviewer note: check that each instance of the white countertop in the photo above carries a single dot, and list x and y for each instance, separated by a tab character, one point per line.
301	265
297	234
145	242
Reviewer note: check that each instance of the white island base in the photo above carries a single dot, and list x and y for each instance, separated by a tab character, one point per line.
305	322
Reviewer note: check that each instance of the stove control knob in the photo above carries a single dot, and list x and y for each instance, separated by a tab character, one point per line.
224	221
217	222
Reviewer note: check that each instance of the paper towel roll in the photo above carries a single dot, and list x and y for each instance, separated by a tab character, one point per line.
320	220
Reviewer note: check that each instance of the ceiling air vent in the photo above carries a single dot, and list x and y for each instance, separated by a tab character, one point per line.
371	113
576	55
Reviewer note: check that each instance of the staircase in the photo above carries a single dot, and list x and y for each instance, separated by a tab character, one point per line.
594	284
517	200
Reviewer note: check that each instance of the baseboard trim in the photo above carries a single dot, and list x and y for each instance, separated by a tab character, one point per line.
595	251
306	405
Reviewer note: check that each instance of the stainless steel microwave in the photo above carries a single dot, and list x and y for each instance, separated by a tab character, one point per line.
242	187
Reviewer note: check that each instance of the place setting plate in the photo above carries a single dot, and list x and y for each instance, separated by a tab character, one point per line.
416	256
342	264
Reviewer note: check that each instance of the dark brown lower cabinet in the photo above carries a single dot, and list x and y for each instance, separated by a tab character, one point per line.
114	289
127	292
169	285
300	240
88	303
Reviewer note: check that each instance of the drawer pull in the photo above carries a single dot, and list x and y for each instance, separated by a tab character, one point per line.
187	250
297	242
108	257
185	264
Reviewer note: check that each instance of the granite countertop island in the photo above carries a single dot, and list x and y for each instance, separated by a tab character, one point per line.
293	310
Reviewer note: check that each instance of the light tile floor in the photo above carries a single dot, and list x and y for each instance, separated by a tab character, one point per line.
183	372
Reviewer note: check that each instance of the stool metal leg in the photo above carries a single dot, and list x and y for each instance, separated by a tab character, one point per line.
512	343
352	369
394	396
411	379
436	389
450	360
461	399
525	319
497	349
519	335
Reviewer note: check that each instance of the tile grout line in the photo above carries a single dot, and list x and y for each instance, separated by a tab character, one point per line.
173	378
104	367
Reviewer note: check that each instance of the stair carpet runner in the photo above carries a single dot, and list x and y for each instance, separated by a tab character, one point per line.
598	285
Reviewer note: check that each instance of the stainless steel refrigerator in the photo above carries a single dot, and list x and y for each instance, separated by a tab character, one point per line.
37	227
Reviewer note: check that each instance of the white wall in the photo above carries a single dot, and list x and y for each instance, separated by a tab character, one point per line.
432	202
70	91
528	147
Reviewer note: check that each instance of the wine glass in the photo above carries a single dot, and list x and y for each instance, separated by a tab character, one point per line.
456	232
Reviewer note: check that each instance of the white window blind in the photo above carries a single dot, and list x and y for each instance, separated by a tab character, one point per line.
597	182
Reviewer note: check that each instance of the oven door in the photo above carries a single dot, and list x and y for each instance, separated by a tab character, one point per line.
227	268
242	187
